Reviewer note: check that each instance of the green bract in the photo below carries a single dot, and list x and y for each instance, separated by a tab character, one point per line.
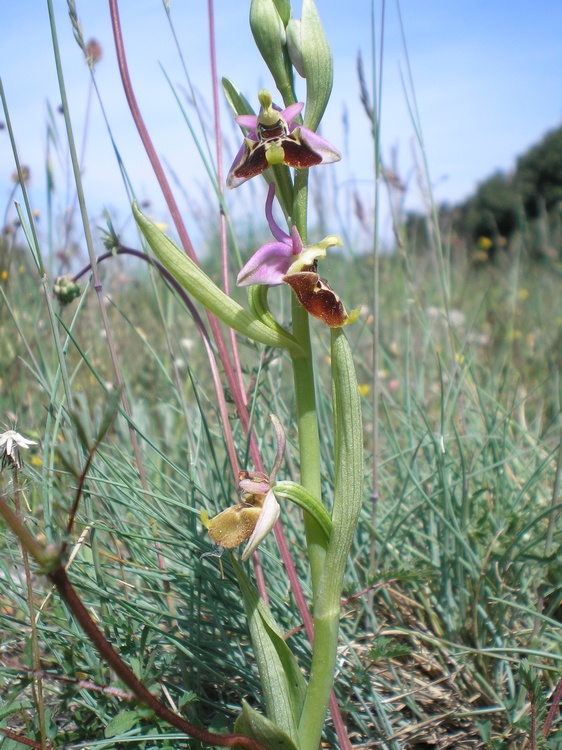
205	291
300	496
283	684
294	44
317	63
284	10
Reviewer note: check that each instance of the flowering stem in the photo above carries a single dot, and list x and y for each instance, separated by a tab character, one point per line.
38	694
309	443
307	418
348	434
325	632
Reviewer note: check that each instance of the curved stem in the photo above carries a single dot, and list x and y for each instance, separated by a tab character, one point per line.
60	579
223	409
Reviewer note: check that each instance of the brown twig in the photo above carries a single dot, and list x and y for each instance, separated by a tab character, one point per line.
23	740
553	708
66	591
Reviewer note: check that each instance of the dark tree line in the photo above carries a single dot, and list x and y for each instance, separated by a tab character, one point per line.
526	201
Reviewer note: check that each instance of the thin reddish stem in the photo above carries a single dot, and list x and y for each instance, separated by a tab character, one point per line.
223	409
553	708
172	207
220	185
60	579
23	740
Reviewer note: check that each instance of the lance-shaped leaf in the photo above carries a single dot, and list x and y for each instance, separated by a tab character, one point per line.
317	63
258	727
348	459
300	496
283	684
205	291
348	493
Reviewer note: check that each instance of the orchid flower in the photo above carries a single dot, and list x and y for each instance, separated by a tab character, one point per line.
290	262
256	515
275	137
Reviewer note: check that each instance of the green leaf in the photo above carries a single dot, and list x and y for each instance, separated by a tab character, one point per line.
121	723
200	286
318	65
348	454
238	102
283	684
299	495
258	727
111	409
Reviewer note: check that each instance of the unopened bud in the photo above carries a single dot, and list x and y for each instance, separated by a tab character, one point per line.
66	289
268	30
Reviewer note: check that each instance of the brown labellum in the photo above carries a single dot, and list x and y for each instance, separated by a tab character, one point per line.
234	525
253	162
317	298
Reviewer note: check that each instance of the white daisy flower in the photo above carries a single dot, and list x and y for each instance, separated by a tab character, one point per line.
10	444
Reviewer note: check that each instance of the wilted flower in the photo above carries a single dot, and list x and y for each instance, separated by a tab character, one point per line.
276	138
289	261
94	52
25	174
10	444
256	515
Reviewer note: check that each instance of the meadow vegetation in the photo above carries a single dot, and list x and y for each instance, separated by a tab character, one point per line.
451	632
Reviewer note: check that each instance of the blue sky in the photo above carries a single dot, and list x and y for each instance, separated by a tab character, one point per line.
487	77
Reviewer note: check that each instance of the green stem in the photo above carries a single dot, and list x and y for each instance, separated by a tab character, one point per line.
36	654
348	490
307	418
309	442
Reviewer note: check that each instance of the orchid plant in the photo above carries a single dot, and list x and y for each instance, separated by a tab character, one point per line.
275	142
281	144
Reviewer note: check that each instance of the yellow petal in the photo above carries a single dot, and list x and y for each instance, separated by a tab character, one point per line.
234	525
